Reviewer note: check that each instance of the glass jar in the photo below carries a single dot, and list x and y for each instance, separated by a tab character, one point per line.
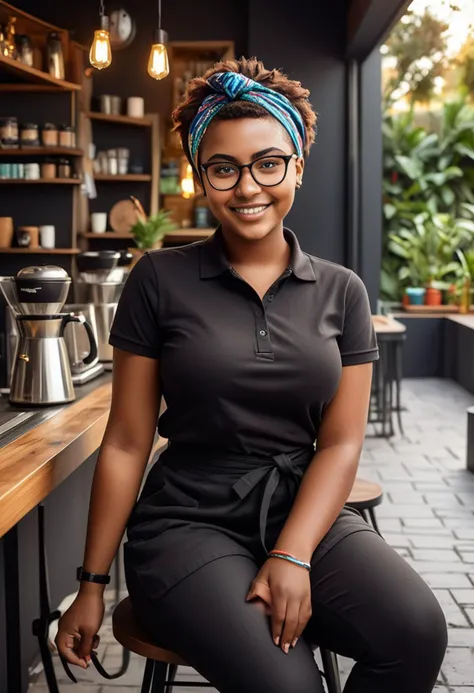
67	136
64	168
29	135
48	169
50	135
32	171
112	162
9	133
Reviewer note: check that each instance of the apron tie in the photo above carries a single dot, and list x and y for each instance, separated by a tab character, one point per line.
280	465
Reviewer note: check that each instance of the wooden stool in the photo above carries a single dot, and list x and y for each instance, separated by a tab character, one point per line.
364	497
162	665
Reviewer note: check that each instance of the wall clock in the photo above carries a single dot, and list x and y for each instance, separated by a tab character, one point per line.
122	28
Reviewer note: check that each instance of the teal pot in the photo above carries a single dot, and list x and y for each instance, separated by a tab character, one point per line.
416	295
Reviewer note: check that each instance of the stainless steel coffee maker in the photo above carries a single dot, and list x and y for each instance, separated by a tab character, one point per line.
41	373
101	277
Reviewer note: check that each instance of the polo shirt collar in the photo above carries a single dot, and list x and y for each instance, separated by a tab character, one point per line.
213	261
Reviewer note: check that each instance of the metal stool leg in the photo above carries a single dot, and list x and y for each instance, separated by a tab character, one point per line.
374	520
398	382
331	671
159	677
172	671
147	676
363	512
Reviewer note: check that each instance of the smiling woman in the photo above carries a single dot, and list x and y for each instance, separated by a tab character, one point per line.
263	355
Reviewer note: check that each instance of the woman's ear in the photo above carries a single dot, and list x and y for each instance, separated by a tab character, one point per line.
299	171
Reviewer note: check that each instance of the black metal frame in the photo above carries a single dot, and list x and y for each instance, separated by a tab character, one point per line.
386	385
160	677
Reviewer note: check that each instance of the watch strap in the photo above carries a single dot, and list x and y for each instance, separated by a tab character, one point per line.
84	576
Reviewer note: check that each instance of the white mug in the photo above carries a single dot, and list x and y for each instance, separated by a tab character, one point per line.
47	234
136	106
99	222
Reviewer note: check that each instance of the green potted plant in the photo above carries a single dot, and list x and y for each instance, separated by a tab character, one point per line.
149	232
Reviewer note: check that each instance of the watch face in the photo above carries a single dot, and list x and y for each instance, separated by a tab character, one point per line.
122	28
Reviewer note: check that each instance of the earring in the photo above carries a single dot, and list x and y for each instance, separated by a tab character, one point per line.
299	183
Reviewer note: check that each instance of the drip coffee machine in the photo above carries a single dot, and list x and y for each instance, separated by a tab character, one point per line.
41	373
101	277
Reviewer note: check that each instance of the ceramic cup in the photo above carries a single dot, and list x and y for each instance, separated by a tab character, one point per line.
47	236
6	231
135	107
99	222
416	295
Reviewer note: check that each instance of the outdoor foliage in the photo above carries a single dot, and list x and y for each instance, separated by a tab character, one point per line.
428	182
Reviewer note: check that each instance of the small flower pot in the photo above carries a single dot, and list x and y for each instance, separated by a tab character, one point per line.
433	297
416	295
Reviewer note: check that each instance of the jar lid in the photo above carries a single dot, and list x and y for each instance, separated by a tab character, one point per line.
29	126
65	162
8	119
50	272
50	126
66	128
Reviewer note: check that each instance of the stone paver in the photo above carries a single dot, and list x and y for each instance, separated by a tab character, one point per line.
427	515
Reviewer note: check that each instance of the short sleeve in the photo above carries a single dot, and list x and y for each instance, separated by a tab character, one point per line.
358	342
135	326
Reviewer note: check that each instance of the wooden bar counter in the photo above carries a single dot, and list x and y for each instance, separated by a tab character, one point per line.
58	441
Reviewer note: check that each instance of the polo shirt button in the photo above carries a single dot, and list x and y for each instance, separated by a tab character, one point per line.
271	297
263	333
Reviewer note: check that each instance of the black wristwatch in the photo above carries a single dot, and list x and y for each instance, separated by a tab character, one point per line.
83	576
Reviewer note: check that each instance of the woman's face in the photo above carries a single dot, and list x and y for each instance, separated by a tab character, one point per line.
250	209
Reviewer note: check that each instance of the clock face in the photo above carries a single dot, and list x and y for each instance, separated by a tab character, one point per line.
122	28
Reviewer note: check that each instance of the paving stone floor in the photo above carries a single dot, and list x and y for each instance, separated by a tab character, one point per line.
427	515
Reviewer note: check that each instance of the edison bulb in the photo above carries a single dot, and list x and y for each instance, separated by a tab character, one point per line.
158	64
100	54
187	183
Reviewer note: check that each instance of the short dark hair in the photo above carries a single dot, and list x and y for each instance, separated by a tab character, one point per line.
198	89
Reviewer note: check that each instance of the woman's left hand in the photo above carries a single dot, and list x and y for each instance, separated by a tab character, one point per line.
286	589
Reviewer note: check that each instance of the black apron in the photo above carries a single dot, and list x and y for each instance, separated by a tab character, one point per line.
198	505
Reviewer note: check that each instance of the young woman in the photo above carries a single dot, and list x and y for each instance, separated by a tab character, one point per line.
241	553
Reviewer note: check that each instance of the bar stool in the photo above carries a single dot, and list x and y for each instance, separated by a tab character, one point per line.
162	665
364	497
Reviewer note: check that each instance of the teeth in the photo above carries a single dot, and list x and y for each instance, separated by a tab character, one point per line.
250	210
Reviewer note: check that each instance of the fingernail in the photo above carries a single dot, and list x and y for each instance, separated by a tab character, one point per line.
286	648
294	642
277	641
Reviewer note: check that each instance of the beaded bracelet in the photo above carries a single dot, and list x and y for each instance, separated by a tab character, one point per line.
289	557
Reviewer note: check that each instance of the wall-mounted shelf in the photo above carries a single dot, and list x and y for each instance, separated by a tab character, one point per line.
180	235
31	74
125	178
41	151
120	119
41	251
40	181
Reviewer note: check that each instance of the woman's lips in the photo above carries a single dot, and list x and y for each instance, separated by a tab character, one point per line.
251	213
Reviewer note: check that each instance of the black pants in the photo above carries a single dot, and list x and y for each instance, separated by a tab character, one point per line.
368	604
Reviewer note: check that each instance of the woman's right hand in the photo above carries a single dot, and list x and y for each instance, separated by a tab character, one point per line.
78	628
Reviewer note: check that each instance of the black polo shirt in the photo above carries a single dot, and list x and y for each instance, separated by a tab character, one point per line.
239	373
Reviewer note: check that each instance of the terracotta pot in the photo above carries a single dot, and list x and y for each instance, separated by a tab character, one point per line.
433	297
405	300
6	232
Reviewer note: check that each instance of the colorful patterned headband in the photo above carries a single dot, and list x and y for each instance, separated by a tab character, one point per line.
233	86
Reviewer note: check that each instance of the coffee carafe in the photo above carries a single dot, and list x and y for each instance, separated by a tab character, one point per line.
41	372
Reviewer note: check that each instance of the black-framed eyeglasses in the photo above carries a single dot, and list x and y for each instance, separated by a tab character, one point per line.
267	171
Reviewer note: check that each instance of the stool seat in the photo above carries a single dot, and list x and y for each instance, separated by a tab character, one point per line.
365	494
128	633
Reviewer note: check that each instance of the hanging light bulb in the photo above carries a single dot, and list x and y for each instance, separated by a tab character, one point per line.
187	183
158	64
100	54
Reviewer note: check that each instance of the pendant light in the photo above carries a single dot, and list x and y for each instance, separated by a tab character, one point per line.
100	54
158	64
187	183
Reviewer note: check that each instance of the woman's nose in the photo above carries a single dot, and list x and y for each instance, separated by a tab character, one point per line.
247	186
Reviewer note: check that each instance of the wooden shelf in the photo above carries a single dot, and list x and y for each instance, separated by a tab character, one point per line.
124	178
183	235
41	181
120	119
41	251
31	74
41	151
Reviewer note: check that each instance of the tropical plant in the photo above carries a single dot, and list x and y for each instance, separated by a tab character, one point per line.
428	250
148	232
